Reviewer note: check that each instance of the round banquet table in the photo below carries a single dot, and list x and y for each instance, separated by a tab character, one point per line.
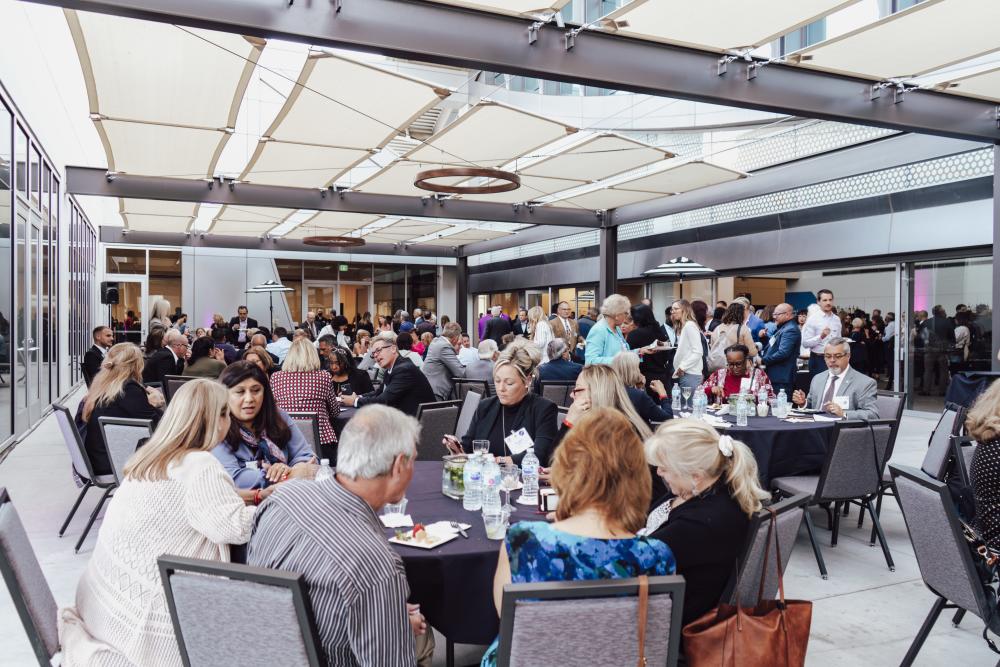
782	448
453	583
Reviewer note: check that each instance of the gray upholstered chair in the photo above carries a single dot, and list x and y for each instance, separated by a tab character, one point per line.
890	405
308	425
436	420
81	461
463	386
561	413
122	437
851	473
557	391
208	601
467	413
553	623
172	383
788	518
942	554
24	578
963	449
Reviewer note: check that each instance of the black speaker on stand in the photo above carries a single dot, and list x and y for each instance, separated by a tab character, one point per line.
109	296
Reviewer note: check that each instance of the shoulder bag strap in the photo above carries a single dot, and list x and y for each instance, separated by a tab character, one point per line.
643	613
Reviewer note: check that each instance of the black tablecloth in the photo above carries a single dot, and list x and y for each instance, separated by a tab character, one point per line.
453	583
965	387
783	448
340	421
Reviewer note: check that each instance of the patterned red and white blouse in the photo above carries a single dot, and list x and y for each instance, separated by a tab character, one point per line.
308	391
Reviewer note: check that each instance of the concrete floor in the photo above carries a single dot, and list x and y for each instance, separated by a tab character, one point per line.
863	614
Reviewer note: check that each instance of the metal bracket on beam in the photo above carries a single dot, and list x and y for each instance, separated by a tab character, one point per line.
723	64
533	32
110	177
899	90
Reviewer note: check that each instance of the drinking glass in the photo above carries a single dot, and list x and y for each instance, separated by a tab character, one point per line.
508	482
480	446
496	525
686	393
395	509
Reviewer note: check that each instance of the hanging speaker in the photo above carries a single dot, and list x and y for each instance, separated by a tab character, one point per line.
109	292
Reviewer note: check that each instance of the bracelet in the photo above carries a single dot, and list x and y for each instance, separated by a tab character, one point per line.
567	423
256	497
663	397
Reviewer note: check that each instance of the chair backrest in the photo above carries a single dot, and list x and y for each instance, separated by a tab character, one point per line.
172	383
436	421
558	391
122	437
553	623
87	377
963	449
308	425
936	458
855	461
890	404
469	405
463	386
24	578
788	517
74	442
561	413
208	602
942	554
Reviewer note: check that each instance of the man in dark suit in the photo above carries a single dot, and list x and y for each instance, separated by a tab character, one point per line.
168	360
782	350
520	326
404	387
584	323
559	367
240	326
229	353
497	327
104	338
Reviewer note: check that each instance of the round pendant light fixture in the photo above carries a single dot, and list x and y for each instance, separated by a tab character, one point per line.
510	181
334	241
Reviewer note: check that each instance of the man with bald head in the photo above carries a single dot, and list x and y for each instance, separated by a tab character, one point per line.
168	360
782	350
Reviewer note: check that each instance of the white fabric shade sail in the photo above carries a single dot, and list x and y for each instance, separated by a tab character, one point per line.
718	25
682	178
301	165
149	215
331	223
926	37
466	236
247	220
608	198
404	230
160	150
532	188
984	85
596	158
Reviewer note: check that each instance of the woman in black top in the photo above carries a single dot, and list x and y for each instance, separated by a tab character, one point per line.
652	366
713	493
346	378
514	407
117	392
983	424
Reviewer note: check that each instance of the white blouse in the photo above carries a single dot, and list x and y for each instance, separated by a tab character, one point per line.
689	351
121	612
541	336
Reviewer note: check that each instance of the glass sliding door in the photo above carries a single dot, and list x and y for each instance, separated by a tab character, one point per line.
6	277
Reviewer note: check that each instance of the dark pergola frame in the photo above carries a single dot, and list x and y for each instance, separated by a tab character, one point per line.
461	37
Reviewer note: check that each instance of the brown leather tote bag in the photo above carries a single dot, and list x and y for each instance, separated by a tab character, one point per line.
774	633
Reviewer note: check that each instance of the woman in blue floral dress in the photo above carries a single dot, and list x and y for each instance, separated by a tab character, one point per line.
603	482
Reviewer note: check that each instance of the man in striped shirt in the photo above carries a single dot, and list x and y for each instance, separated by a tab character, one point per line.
330	532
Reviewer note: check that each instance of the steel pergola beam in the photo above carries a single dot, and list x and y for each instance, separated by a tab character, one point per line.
460	37
94	181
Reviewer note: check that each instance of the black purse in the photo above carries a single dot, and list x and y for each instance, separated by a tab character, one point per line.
987	563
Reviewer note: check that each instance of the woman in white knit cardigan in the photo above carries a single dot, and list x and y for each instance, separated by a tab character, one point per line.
176	499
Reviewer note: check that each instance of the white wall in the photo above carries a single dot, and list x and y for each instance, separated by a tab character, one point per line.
447	293
866	291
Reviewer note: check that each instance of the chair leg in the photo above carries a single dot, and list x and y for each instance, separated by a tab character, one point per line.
861	515
959	615
76	505
812	538
881	536
847	508
93	517
829	516
836	525
878	510
925	630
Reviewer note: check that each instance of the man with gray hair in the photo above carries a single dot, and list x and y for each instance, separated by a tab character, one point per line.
403	386
168	360
330	533
497	327
559	367
482	367
441	364
840	390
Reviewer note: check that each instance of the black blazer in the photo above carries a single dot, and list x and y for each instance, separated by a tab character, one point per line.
536	414
132	404
160	365
653	366
706	535
496	329
358	380
520	328
647	408
92	360
403	388
233	333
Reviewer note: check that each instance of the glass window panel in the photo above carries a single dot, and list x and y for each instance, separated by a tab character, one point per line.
357	272
421	285
123	260
20	335
21	160
390	291
6	288
35	174
165	278
290	275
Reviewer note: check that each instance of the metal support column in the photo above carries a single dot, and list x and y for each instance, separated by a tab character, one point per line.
462	292
609	262
996	256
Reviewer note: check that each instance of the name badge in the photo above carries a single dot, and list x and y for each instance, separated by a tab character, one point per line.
518	441
843	401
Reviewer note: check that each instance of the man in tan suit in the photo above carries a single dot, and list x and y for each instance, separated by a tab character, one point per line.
565	328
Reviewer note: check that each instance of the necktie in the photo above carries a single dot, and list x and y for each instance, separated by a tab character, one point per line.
829	392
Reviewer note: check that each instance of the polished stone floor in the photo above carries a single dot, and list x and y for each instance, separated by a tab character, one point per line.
862	615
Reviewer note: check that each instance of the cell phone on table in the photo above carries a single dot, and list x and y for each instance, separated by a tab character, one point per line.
454	439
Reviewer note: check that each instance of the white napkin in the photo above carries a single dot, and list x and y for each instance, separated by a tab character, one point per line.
724	410
445	527
396	520
824	418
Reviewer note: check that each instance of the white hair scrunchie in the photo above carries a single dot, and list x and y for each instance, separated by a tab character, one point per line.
726	445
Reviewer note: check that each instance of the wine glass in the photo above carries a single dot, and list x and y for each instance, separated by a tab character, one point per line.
480	446
509	474
686	393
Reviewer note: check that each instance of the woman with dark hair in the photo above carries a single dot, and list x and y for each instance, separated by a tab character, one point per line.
206	360
656	366
346	378
716	318
733	331
366	323
404	343
263	446
154	341
700	310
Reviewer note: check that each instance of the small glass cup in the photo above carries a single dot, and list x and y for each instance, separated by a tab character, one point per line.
480	446
395	509
496	525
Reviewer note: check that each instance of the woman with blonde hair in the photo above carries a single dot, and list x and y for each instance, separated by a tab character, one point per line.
626	367
539	331
983	424
704	519
117	391
689	360
259	357
600	387
160	315
602	479
363	343
175	499
302	386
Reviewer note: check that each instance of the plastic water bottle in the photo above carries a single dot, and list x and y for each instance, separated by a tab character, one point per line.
741	412
762	396
529	477
675	400
699	404
325	472
491	488
781	405
472	476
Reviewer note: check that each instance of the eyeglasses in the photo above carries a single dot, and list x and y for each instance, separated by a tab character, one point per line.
576	390
736	364
839	355
376	350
